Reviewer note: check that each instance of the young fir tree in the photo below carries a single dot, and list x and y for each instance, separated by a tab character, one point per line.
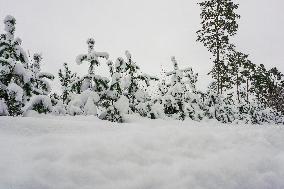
135	84
40	101
114	102
41	85
14	74
66	78
181	98
219	22
92	81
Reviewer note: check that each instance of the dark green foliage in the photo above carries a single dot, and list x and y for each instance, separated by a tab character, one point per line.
14	106
219	22
40	108
66	77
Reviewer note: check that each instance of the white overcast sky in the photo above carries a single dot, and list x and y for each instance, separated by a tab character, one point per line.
152	30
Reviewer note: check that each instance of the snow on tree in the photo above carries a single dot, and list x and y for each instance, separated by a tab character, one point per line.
13	68
59	108
15	99
180	96
219	107
134	81
66	77
260	114
39	103
92	81
41	85
3	108
114	102
84	103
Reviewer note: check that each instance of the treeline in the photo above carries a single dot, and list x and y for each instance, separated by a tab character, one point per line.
241	91
232	69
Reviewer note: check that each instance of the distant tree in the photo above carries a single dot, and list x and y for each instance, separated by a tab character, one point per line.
219	22
241	70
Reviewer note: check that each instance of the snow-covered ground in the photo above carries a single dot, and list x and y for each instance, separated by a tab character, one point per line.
87	153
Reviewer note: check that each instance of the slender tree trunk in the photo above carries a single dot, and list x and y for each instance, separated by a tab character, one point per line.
238	92
247	89
218	48
218	71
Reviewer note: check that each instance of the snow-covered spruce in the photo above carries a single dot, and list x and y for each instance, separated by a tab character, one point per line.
91	80
66	78
15	78
114	103
179	97
41	85
40	104
134	85
84	103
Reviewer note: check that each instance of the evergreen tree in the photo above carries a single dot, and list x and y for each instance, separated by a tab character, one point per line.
40	101
219	22
114	102
91	80
13	69
180	96
66	78
41	85
134	82
241	70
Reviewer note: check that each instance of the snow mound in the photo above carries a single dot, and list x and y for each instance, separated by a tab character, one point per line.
85	152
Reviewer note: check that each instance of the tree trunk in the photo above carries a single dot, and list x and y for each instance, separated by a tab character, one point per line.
238	92
218	48
247	90
218	72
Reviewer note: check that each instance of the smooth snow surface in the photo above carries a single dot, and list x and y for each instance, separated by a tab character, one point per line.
87	153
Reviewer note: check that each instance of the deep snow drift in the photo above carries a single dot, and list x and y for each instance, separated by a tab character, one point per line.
87	153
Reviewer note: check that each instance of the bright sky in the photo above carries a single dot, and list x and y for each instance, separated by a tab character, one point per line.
152	30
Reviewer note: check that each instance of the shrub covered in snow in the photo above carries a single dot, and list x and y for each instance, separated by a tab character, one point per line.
40	104
84	103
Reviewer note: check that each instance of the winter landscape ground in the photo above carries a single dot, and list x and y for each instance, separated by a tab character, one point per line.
80	152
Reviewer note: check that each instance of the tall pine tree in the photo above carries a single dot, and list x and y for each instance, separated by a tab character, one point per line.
219	22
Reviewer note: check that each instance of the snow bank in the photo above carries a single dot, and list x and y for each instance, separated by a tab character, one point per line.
85	153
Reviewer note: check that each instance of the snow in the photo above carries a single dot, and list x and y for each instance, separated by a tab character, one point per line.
37	99
83	103
3	108
85	152
9	22
122	104
15	89
46	75
25	73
